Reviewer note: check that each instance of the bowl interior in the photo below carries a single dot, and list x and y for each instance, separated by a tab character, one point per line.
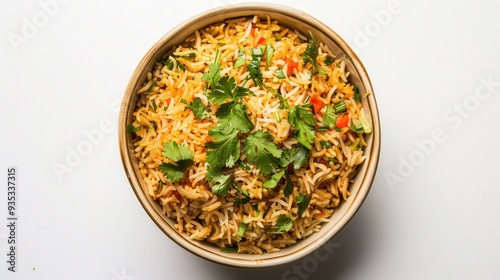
295	20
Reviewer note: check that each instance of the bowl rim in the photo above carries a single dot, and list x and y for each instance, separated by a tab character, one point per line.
144	198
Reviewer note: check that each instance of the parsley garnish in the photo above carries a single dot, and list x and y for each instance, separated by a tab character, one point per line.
261	151
272	182
325	144
329	60
150	88
357	95
303	121
302	203
296	155
226	89
223	183
198	109
330	117
225	151
280	74
131	128
181	155
242	227
311	53
234	115
241	200
289	186
254	66
269	53
213	74
241	59
283	224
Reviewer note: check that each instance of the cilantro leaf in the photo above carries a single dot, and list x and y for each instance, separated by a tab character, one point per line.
174	172
241	200
261	151
240	61
302	203
225	151
280	74
303	121
289	186
254	66
181	155
330	117
234	115
226	90
198	109
242	227
223	183
311	53
269	53
283	224
176	152
329	60
272	182
213	74
296	155
357	95
131	128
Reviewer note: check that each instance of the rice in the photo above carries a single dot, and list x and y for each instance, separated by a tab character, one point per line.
162	116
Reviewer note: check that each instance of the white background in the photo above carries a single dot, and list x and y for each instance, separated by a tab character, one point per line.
432	213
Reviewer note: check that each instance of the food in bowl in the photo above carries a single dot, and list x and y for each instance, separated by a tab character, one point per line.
249	134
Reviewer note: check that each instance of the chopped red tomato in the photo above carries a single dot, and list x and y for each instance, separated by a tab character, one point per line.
342	121
291	66
317	103
261	41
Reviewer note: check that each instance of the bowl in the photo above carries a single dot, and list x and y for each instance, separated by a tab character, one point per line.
359	189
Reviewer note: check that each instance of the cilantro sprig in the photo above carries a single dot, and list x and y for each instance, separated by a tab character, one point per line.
261	151
225	150
311	53
213	74
181	155
303	121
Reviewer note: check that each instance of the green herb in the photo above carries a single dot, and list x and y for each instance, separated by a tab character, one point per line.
242	191
297	155
213	74
242	227
280	74
355	144
168	63
241	200
289	186
150	88
356	126
337	129
340	107
322	128
188	56
277	39
165	108
311	53
330	117
357	95
229	250
302	203
278	116
181	155
256	210
183	101
272	182
225	151
283	224
241	59
181	66
226	89
261	151
334	160
244	165
303	121
254	66
269	53
329	60
234	115
154	105
198	109
223	184
131	128
221	44
284	103
325	144
367	128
